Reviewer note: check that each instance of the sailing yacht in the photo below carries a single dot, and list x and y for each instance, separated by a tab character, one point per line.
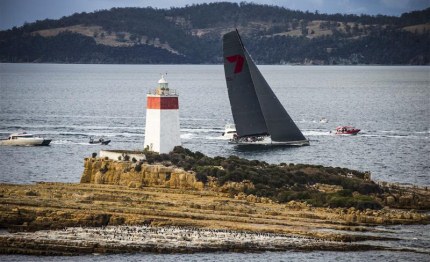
257	113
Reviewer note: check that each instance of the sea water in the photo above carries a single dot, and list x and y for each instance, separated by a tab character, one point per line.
71	103
287	256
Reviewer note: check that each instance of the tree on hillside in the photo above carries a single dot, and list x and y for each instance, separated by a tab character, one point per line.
259	25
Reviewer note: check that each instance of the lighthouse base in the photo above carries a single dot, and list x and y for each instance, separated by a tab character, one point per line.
162	130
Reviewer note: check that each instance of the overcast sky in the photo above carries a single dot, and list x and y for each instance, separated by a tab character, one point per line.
16	12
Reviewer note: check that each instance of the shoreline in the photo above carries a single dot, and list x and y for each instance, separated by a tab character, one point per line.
37	213
131	239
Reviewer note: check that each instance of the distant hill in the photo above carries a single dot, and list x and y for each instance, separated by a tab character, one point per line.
192	34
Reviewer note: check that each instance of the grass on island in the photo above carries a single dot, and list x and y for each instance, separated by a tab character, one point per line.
281	183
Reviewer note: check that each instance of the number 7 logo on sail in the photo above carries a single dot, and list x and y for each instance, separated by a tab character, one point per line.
239	59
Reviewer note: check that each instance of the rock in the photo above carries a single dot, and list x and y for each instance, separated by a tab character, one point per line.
240	196
406	200
252	198
327	188
390	200
98	178
99	171
236	186
91	205
199	185
266	200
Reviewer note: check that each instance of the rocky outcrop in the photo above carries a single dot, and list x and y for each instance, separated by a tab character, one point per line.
405	196
133	194
384	216
55	206
137	175
78	240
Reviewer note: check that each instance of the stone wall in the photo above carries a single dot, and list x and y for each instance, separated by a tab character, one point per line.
121	154
126	173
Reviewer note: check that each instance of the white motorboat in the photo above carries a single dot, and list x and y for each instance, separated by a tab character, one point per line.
24	139
229	131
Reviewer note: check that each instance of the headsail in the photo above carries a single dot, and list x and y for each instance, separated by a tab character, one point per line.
244	103
280	125
256	109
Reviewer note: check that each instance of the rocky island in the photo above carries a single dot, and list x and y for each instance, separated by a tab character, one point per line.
187	202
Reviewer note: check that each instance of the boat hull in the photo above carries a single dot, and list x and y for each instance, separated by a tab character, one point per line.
105	142
26	142
229	135
346	130
269	142
350	133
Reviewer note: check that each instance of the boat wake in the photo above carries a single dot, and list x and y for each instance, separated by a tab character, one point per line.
395	134
98	134
372	134
69	142
187	136
202	130
316	133
220	137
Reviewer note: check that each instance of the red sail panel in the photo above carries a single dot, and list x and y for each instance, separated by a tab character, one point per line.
159	102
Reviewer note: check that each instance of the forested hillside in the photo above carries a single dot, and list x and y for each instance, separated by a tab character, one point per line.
192	34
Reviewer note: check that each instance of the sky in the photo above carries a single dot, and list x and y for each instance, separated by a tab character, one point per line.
17	12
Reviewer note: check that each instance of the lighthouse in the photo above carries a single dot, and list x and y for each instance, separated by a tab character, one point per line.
162	119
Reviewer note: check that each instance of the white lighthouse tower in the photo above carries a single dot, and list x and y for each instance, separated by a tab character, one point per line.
162	119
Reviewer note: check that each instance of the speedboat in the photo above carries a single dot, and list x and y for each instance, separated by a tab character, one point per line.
24	139
229	131
99	141
346	130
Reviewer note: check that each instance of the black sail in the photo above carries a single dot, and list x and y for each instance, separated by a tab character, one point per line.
280	125
245	107
256	109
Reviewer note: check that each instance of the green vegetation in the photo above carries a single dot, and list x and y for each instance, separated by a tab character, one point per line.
138	167
193	33
281	183
68	47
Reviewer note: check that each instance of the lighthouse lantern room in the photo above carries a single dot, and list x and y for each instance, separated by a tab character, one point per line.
162	119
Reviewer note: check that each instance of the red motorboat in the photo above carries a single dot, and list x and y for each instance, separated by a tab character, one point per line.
346	130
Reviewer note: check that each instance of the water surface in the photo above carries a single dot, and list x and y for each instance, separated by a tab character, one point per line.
71	103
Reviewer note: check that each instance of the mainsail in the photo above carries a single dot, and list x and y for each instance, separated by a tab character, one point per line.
245	107
256	109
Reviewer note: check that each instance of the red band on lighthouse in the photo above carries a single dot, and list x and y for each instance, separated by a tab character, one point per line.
157	102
